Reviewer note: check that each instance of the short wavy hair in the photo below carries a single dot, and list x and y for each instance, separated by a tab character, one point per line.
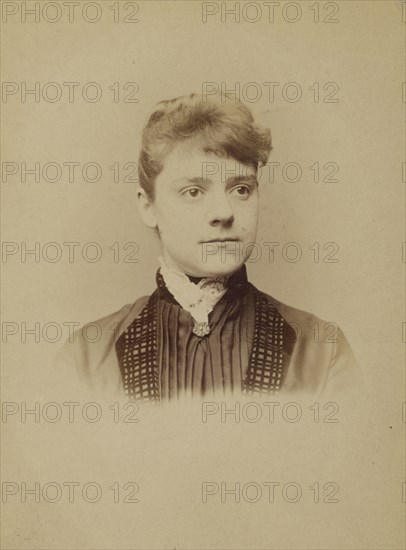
220	125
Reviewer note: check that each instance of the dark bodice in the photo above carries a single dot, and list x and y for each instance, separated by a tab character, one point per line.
212	364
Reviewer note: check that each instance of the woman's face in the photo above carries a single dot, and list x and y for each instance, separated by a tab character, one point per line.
206	212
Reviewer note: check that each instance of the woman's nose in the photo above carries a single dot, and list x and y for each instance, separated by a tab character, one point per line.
221	211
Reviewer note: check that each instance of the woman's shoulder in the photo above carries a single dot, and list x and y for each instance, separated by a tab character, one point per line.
119	319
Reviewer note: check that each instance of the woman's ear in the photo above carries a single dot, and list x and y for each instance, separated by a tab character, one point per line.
147	209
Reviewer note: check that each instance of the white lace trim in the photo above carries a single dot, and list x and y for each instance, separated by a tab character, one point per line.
198	299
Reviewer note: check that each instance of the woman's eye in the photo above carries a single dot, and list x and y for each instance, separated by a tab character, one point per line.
193	192
242	190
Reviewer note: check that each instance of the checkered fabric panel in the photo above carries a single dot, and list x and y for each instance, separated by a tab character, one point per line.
267	360
137	354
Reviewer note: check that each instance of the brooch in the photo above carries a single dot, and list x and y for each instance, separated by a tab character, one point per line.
201	328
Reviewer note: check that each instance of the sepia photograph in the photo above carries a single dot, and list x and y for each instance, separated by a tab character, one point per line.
203	288
207	330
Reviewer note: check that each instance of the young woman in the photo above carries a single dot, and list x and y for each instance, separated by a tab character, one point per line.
205	330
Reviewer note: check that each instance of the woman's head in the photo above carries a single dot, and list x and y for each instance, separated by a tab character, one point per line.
218	125
198	167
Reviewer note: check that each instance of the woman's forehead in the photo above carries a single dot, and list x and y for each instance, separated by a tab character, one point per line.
191	163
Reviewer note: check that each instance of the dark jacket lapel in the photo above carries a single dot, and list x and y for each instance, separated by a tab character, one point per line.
137	349
272	348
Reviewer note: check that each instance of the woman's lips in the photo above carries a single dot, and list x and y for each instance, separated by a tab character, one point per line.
221	241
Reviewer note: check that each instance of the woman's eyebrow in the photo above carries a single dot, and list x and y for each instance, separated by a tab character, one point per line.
231	180
196	180
199	180
242	179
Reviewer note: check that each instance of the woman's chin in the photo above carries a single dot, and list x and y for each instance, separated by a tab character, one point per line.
216	269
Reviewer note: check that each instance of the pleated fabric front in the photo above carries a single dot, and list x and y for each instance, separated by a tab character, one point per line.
190	365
